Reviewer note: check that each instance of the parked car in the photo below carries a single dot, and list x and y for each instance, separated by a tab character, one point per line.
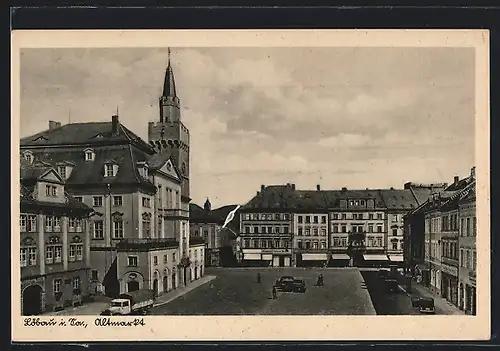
424	304
131	303
297	285
284	280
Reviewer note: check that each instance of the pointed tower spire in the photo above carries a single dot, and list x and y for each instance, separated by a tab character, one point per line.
169	82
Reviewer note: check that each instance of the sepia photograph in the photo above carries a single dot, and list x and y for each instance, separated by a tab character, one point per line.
261	176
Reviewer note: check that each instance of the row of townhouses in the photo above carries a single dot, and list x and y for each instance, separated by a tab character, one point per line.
104	212
285	226
440	242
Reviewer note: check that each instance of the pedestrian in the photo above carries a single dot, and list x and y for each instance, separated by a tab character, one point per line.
275	293
259	278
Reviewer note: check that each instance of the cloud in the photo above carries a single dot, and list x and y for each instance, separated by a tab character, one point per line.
355	117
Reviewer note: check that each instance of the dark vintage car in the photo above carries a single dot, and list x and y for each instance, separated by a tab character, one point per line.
424	304
297	285
391	285
284	280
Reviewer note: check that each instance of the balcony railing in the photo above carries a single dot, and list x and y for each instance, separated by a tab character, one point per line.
146	244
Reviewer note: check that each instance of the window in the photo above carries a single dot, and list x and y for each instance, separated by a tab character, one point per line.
75	225
269	230
24	256
461	262
474	226
117	201
344	216
57	285
370	242
50	190
308	231
344	228
394	245
474	262
28	156
173	257
57	224
300	219
315	245
117	228
335	216
343	242
308	219
95	274
379	242
109	170
277	230
31	223
395	232
300	231
468	260
89	155
276	243
315	219
336	242
315	231
299	244
155	260
467	229
263	230
165	258
22	223
98	230
256	230
323	232
323	219
370	216
146	227
247	230
379	229
132	261
308	244
379	215
146	202
76	283
78	198
370	228
335	229
264	244
62	171
97	201
49	223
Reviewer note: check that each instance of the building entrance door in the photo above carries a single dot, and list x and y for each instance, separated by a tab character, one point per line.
32	300
155	286
282	261
173	281
132	285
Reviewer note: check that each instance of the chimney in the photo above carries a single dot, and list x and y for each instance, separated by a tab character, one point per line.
54	125
473	172
262	187
293	187
455	180
258	193
318	187
114	124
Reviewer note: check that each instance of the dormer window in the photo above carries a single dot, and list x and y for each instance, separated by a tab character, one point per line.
110	169
89	155
143	170
28	156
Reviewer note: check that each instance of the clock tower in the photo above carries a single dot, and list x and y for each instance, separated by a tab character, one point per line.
170	134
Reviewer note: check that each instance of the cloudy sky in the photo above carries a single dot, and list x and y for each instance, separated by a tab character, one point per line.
339	117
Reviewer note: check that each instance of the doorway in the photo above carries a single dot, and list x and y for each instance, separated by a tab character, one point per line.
155	286
32	300
195	273
173	281
281	261
165	284
132	285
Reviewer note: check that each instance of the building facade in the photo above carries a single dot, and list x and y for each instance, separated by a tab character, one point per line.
54	242
266	227
328	227
467	250
139	191
207	223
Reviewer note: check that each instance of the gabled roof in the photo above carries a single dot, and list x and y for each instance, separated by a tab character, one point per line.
27	200
84	134
398	199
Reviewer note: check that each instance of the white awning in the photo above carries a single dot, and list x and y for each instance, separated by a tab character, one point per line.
267	257
250	256
340	257
396	258
374	257
314	257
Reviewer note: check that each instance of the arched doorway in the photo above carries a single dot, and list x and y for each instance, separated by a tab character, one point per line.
173	281
132	285
155	286
195	273
165	284
32	300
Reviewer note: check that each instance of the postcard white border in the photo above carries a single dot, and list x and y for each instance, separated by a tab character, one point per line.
293	328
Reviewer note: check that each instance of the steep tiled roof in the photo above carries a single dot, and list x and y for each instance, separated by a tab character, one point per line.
157	160
274	196
200	215
398	199
90	133
92	172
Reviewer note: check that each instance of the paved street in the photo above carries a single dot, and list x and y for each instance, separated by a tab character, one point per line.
235	292
386	303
